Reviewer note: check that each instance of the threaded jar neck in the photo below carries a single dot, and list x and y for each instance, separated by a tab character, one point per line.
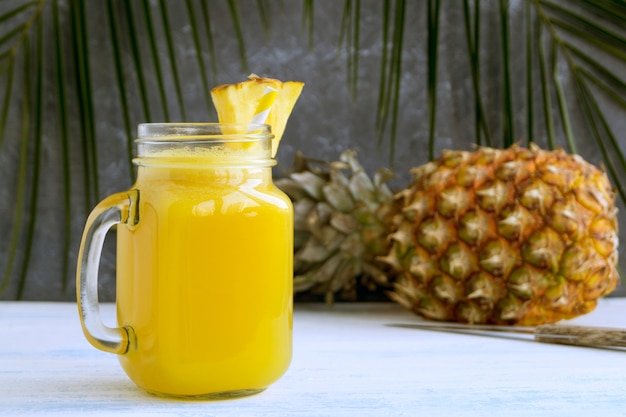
187	145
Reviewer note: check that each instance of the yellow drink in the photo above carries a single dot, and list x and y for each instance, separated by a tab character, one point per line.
204	264
210	298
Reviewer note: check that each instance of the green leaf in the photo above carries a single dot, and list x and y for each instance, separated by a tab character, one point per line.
16	11
592	70
86	117
11	35
607	89
609	10
396	69
265	14
598	42
21	188
530	113
508	126
167	32
584	28
600	128
562	102
472	34
575	58
155	58
234	14
119	76
199	56
389	91
137	60
6	102
545	86
308	20
209	38
433	10
602	71
350	30
381	111
37	133
64	139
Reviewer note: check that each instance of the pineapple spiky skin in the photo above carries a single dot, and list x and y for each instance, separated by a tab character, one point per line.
505	236
341	218
513	236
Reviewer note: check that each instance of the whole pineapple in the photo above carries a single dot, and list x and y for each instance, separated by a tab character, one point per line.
521	236
517	236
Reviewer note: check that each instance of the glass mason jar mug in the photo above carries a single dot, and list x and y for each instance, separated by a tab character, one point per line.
204	264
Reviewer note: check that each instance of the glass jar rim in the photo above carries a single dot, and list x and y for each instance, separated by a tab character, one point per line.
204	144
184	131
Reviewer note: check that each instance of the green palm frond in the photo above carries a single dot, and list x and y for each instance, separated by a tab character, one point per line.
471	14
508	126
154	55
167	34
32	28
64	142
234	12
119	75
595	80
432	14
350	33
575	74
394	16
26	34
308	19
584	37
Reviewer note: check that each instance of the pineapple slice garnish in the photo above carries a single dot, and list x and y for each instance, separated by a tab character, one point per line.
237	103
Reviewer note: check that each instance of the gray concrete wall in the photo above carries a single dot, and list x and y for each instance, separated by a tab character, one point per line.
326	120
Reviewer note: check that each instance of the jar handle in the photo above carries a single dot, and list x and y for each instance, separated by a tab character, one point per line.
115	209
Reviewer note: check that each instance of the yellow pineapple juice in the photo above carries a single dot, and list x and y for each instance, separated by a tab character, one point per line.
204	271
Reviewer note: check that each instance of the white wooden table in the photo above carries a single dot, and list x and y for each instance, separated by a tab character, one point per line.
348	361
